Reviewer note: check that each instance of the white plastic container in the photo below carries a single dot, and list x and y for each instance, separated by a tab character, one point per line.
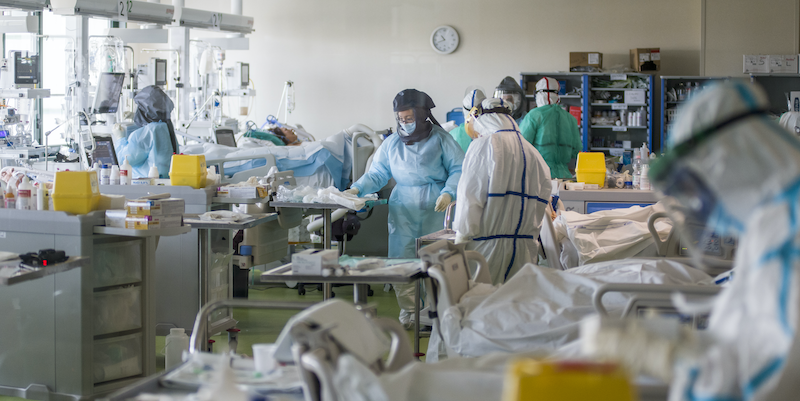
125	173
176	342
25	195
41	197
105	174
115	177
644	181
153	172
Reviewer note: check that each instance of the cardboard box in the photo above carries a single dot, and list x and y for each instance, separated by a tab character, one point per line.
585	59
160	207
312	261
783	64
641	59
755	64
152	222
242	192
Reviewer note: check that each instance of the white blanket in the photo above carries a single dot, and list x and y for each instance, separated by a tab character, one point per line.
539	309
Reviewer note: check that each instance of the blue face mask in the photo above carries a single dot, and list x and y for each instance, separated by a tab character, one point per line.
409	128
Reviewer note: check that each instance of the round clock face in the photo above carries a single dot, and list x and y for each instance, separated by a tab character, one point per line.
444	39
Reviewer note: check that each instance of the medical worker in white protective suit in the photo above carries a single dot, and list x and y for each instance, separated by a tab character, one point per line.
425	161
731	168
503	192
154	143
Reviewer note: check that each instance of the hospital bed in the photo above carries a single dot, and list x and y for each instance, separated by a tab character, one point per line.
341	352
562	255
539	308
337	160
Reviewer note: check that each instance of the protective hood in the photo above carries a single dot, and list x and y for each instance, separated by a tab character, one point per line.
546	92
472	99
509	86
791	121
153	105
723	139
495	117
422	104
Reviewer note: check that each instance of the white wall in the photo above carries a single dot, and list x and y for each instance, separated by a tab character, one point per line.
348	58
733	28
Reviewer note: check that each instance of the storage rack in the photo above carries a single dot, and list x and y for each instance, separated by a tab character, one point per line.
639	134
669	106
580	93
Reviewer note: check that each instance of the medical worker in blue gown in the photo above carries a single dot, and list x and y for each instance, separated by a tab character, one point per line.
730	169
425	161
154	143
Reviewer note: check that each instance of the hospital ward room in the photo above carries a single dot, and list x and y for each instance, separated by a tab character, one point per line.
408	200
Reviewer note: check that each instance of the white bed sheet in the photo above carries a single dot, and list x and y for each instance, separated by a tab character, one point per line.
539	309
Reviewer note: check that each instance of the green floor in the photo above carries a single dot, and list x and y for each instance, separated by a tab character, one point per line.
263	326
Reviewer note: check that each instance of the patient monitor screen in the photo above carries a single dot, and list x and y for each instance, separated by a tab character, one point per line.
109	89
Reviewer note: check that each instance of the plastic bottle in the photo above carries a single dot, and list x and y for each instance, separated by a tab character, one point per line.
96	167
153	172
644	181
115	175
105	174
24	194
125	172
637	168
42	197
176	342
10	197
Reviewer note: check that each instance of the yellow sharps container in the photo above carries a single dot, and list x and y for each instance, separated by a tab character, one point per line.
76	192
591	168
188	170
528	379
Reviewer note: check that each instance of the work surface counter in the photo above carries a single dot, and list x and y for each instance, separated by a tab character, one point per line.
593	200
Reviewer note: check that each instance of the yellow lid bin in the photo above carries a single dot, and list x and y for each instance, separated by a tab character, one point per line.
591	168
528	379
76	192
188	170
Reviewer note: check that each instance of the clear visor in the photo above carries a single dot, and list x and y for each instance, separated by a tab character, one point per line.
513	98
706	233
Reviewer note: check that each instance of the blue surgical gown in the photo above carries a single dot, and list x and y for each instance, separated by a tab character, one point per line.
147	146
423	171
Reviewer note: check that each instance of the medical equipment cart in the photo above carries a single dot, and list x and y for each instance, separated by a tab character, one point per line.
83	332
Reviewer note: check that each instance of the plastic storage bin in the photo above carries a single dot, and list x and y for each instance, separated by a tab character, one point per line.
117	310
188	170
591	168
567	381
117	358
117	263
76	192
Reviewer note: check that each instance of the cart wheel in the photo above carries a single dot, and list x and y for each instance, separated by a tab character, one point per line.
301	291
333	294
370	293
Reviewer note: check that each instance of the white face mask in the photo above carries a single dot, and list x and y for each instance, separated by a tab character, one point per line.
408	129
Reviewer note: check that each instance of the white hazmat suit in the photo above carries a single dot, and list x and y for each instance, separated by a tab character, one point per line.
502	194
732	168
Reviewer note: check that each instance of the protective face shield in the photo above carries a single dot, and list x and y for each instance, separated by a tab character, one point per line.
711	178
413	113
546	91
510	91
512	98
407	121
471	99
